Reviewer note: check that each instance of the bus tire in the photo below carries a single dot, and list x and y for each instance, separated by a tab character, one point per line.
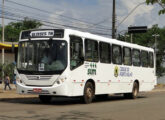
127	95
89	93
45	98
134	93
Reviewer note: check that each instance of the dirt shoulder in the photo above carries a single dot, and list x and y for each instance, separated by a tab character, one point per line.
12	94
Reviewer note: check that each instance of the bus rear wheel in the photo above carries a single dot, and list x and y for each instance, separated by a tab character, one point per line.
89	93
134	93
45	98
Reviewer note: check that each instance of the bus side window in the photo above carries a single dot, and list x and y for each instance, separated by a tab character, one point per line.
127	58
116	54
144	58
91	50
76	52
105	53
136	57
151	60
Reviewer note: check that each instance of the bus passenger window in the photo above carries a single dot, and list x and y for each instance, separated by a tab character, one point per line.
116	54
144	58
151	60
76	52
136	57
91	50
127	59
105	53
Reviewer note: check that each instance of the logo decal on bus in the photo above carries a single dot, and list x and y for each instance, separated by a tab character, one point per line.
122	71
91	68
116	71
125	72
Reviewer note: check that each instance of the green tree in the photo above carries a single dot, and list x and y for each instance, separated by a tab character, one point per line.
13	29
160	2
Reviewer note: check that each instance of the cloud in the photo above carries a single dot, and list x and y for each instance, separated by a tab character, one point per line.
141	11
94	11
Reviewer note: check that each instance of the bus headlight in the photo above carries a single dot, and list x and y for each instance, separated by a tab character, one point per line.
19	80
60	80
18	77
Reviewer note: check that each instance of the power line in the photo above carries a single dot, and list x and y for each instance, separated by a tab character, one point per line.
130	13
10	18
45	21
50	12
98	23
13	16
19	11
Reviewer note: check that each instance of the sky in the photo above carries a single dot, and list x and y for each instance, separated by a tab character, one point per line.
95	14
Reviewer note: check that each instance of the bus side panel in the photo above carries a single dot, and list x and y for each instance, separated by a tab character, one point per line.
148	79
77	80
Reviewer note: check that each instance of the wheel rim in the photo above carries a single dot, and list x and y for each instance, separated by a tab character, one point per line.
89	93
135	91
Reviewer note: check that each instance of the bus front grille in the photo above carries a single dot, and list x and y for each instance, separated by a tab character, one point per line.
38	77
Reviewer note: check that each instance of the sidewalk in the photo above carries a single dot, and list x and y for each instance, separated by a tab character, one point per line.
9	94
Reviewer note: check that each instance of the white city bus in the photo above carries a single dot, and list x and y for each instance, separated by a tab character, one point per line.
70	63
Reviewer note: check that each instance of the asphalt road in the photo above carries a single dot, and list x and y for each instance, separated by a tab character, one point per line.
148	106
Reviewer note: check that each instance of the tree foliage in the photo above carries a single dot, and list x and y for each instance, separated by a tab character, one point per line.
147	39
13	29
160	2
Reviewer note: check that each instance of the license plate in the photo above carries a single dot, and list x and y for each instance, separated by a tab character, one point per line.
37	90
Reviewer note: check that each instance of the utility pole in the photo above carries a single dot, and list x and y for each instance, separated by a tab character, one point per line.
131	37
114	20
156	36
3	38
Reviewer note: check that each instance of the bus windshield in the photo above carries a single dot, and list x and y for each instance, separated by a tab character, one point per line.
42	56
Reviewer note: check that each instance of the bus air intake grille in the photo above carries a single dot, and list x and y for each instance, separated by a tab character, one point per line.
39	77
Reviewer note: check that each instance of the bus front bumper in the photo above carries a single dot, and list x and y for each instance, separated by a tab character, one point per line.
55	90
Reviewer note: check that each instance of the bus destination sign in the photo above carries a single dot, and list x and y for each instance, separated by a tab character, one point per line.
47	33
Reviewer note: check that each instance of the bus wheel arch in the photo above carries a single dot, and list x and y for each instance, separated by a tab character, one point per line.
137	81
135	91
89	91
93	83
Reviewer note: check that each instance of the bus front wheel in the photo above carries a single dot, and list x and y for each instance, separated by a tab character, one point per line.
89	93
45	98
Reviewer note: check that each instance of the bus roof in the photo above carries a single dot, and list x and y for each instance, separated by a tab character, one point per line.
105	39
96	37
